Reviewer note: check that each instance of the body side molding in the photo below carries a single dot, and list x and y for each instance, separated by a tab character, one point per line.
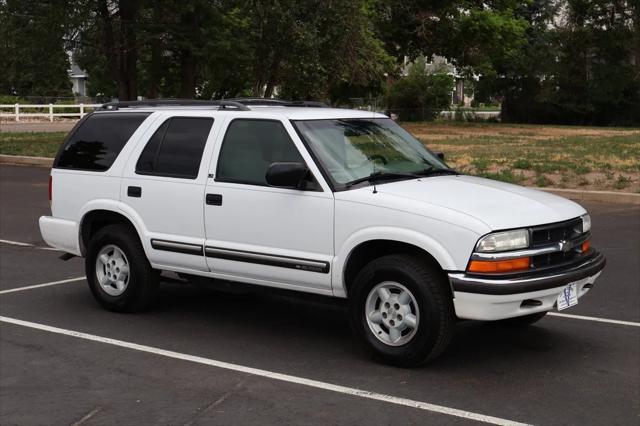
177	247
268	259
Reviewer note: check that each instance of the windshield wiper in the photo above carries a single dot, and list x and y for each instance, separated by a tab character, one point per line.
378	176
432	171
381	175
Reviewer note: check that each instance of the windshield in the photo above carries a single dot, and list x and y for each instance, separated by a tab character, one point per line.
352	149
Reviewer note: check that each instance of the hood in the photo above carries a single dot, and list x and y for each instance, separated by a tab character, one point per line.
499	205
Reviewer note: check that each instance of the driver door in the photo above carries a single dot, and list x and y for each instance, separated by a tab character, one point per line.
262	234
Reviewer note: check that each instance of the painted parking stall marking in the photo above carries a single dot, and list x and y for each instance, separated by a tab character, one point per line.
596	319
268	374
49	284
21	244
16	243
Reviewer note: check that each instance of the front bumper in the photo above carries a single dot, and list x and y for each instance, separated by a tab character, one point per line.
489	298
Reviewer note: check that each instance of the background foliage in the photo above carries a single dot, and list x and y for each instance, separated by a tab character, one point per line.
420	95
560	61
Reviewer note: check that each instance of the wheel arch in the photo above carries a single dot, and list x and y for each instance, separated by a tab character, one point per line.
363	250
93	219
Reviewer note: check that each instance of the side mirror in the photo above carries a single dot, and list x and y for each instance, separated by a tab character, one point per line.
440	155
287	174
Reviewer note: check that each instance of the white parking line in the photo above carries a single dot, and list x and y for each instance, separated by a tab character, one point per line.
269	374
596	319
20	244
16	243
30	287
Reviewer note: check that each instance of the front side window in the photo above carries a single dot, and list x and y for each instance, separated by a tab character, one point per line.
175	149
250	147
350	150
98	140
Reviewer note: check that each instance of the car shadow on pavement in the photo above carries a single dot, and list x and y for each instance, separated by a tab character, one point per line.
288	321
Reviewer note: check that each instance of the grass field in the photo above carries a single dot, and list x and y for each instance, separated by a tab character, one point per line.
547	156
33	144
552	156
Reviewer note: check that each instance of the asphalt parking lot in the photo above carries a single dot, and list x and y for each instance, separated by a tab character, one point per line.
206	356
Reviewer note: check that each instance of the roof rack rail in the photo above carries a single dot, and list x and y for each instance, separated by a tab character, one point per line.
221	104
239	104
279	102
233	104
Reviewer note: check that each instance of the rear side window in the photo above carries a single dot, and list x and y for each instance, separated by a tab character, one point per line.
98	140
175	149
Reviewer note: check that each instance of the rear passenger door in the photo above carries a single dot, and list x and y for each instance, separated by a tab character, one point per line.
263	234
164	184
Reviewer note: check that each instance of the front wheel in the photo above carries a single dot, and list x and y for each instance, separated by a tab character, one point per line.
401	310
118	272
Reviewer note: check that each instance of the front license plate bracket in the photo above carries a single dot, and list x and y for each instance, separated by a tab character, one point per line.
568	297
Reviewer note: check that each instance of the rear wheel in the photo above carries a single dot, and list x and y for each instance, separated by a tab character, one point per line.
118	272
401	310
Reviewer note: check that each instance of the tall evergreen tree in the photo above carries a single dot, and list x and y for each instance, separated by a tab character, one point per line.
33	61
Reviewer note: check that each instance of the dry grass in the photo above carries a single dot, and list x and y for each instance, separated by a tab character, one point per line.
556	156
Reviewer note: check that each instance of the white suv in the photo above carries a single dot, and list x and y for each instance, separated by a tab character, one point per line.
331	201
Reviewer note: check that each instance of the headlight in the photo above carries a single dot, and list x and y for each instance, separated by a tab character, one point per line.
586	223
503	241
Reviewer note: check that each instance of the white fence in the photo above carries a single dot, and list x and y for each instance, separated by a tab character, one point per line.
12	111
469	114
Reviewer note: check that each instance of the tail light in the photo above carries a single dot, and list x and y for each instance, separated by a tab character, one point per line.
50	189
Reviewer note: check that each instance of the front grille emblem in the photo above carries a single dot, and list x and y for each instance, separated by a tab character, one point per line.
565	246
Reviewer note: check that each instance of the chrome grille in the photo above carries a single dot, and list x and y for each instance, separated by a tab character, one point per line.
566	233
555	233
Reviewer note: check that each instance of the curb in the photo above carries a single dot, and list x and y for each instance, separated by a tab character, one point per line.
599	196
23	160
572	194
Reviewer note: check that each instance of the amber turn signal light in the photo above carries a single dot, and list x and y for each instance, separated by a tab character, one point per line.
495	266
585	246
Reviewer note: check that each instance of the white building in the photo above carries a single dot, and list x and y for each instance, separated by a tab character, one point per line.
78	78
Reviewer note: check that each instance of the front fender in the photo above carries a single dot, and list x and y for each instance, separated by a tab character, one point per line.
402	235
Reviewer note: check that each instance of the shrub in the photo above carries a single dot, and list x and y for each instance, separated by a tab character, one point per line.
420	95
522	164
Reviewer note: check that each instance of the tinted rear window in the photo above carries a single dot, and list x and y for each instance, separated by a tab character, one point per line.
175	149
98	140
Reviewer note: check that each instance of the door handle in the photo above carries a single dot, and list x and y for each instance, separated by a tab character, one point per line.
134	191
214	199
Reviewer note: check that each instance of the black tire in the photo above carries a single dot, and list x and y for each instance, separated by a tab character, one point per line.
524	321
429	288
142	281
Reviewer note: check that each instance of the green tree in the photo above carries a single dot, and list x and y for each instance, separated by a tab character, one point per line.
33	61
577	67
420	95
170	48
107	44
415	28
597	80
524	82
313	49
